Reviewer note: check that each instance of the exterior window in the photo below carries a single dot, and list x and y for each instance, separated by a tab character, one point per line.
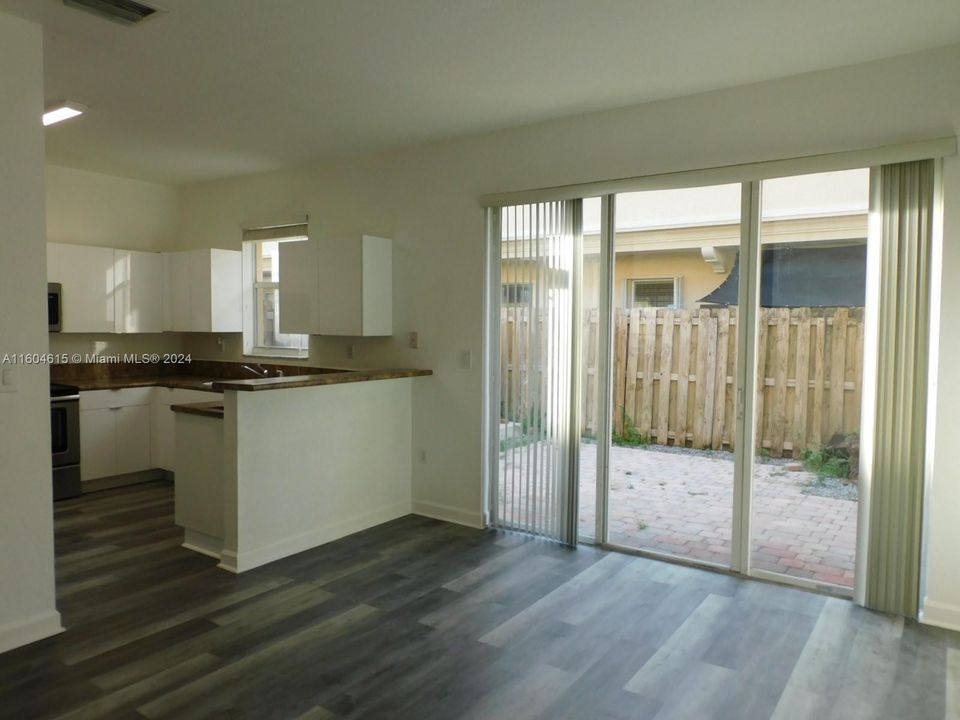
261	327
516	294
654	292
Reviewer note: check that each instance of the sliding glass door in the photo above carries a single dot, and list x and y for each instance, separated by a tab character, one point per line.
809	377
680	373
674	320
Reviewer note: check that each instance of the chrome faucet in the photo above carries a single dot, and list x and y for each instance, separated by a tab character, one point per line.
259	370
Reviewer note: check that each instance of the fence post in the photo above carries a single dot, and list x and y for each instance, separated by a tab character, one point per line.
666	371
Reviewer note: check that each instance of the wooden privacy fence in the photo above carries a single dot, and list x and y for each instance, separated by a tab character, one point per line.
673	374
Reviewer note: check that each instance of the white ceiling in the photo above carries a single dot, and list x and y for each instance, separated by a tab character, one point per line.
223	87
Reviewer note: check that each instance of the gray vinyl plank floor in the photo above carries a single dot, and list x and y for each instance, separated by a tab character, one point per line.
422	619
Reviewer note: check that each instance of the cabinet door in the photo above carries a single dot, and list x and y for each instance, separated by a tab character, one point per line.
176	305
98	446
88	284
226	291
138	294
377	300
340	283
161	429
133	438
299	284
197	273
53	262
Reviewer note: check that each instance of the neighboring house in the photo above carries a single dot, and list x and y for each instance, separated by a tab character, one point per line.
684	267
821	275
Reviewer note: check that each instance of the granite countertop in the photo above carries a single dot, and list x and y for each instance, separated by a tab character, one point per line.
219	384
204	409
182	382
335	378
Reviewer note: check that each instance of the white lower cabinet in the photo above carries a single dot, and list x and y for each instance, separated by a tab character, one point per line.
98	443
133	439
130	430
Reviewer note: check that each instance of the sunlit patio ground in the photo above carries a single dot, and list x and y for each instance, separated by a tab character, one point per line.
680	502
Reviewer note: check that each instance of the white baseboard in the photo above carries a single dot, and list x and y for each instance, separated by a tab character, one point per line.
201	543
13	635
244	560
448	513
941	614
228	561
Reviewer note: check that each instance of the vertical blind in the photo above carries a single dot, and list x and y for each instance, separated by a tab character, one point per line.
902	199
538	388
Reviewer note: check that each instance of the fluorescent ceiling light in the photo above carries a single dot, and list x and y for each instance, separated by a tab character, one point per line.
62	111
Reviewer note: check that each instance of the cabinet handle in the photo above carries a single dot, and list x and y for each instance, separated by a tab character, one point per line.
119	407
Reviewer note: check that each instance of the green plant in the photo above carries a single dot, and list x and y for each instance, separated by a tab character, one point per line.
827	462
630	435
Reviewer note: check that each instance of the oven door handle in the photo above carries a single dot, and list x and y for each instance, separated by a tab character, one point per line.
65	397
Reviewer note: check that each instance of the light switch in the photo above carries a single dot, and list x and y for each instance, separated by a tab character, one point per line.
466	359
8	379
414	340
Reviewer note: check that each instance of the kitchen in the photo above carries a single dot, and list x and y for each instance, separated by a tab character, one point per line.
124	418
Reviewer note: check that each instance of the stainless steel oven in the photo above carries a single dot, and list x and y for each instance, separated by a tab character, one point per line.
54	307
65	440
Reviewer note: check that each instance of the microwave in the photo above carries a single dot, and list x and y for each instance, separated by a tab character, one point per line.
54	306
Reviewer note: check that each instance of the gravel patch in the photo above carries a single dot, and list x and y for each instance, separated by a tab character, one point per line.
832	487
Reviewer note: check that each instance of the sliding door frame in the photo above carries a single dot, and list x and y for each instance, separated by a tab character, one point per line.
746	371
491	361
569	503
749	250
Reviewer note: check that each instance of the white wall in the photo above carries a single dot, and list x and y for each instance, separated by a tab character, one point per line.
27	609
426	198
88	208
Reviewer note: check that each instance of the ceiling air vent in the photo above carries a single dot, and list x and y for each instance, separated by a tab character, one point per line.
127	12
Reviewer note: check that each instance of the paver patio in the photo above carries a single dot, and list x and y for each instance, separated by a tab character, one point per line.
681	504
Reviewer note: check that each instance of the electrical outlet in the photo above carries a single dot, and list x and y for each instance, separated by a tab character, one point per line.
423	456
414	340
466	359
220	342
351	351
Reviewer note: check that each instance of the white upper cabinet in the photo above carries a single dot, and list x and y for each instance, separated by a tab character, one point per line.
203	291
176	291
86	274
337	287
107	290
299	300
138	291
53	262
